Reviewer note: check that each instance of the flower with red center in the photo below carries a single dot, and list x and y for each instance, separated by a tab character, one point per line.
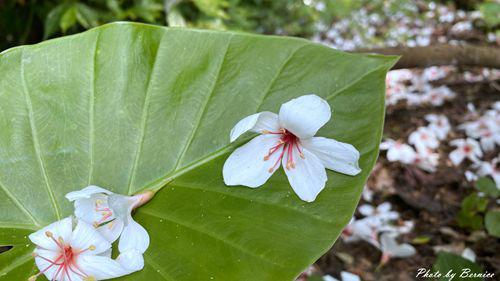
288	139
439	125
423	138
468	148
81	254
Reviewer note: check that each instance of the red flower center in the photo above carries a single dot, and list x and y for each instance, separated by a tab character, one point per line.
287	142
64	262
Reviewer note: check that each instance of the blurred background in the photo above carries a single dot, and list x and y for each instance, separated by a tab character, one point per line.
432	201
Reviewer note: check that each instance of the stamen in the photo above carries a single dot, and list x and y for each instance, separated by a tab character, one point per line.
277	160
49	234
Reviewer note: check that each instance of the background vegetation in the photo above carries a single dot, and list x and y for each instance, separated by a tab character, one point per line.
30	21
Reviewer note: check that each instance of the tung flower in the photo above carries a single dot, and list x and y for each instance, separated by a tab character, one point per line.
391	249
111	215
288	139
81	254
397	151
468	148
423	138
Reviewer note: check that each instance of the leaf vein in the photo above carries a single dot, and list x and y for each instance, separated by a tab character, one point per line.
91	111
19	205
204	108
36	142
144	118
267	91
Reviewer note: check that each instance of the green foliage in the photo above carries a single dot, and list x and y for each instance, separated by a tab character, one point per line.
142	107
491	13
470	215
492	222
447	262
487	186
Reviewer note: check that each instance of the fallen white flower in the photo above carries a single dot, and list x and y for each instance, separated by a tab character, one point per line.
111	215
439	125
468	148
423	138
397	151
391	249
379	214
491	169
427	160
288	139
81	254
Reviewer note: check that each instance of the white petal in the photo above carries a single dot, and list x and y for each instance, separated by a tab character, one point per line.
85	236
347	276
256	123
308	177
305	115
404	250
469	254
246	165
329	278
85	209
134	237
384	207
338	156
59	229
456	156
366	210
100	267
112	230
131	260
43	264
86	192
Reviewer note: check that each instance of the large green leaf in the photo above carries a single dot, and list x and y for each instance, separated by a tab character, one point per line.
132	107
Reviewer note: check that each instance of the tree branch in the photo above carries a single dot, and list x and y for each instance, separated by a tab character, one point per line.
443	54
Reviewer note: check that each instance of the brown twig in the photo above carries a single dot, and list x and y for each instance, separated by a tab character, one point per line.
443	54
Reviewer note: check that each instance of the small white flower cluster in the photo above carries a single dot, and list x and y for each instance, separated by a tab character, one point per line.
425	139
378	228
415	89
83	252
483	135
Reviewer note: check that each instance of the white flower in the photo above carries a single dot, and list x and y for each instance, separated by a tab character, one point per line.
491	169
427	160
382	213
288	139
111	215
81	254
397	151
439	125
437	96
434	73
423	138
468	148
358	230
391	249
402	228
